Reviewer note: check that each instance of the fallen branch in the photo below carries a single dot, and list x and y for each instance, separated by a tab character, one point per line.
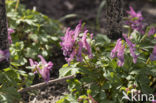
37	86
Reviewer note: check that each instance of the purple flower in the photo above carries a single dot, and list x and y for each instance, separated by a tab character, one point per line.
67	42
120	55
74	45
71	56
152	31
43	68
135	20
86	45
118	52
132	48
34	65
91	35
10	31
79	52
153	55
133	14
115	50
4	55
77	30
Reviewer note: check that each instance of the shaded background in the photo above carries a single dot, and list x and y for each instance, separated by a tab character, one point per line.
87	10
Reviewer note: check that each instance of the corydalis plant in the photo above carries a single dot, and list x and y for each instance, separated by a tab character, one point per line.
74	45
135	20
43	67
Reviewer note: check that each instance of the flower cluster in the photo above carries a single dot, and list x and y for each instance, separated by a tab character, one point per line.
4	55
135	20
73	44
43	67
118	52
132	48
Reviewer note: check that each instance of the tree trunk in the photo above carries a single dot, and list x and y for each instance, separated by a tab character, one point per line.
114	19
3	33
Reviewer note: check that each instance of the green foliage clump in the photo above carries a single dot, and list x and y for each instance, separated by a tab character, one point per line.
105	79
34	34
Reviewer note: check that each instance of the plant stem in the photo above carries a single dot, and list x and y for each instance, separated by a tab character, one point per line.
87	62
129	32
148	60
17	4
40	85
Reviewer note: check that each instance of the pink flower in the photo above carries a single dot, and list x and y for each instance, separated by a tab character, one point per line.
4	55
43	68
120	55
132	48
92	99
67	42
86	45
115	50
71	56
73	45
152	31
134	14
79	52
118	51
10	31
153	55
91	35
135	20
77	31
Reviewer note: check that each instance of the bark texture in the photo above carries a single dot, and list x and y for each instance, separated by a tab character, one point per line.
114	18
3	33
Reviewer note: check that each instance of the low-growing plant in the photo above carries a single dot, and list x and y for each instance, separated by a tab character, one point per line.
30	34
34	33
127	65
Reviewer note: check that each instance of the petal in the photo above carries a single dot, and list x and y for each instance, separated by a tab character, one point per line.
42	60
77	31
45	73
50	65
31	62
79	53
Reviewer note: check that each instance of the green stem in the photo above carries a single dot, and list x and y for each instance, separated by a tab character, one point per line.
87	62
146	33
148	60
129	32
17	4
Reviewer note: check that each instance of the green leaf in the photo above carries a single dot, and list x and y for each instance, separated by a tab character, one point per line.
68	70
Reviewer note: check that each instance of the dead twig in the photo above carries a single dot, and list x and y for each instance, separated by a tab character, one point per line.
40	85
